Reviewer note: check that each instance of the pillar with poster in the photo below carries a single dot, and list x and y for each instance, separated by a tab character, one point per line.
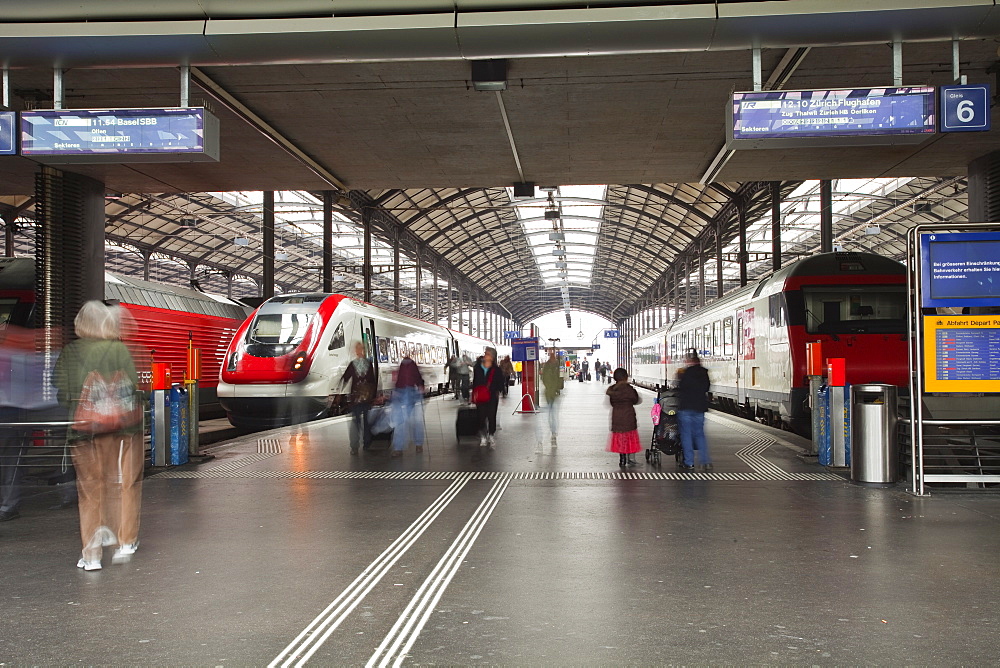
525	352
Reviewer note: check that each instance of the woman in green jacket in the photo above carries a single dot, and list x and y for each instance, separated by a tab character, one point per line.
97	381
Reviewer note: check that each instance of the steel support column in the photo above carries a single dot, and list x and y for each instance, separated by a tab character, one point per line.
720	282
436	293
395	273
267	229
826	216
775	225
327	268
366	221
741	220
701	278
419	280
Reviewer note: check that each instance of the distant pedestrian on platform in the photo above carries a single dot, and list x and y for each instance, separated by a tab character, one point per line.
692	403
487	384
585	370
407	408
455	376
553	381
97	381
607	372
599	371
624	427
464	374
507	368
361	374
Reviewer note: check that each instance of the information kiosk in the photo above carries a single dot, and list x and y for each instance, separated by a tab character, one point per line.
954	314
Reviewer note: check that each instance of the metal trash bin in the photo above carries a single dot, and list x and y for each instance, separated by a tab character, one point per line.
875	445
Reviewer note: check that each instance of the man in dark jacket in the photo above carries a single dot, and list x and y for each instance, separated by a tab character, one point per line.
361	375
692	403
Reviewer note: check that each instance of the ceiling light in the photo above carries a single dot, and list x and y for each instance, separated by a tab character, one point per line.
489	75
281	256
559	251
561	265
557	236
551	214
548	189
241	241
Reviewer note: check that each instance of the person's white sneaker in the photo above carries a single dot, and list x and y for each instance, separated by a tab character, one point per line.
124	552
492	442
482	441
88	565
553	439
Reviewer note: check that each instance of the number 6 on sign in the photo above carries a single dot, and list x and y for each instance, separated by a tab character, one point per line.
965	108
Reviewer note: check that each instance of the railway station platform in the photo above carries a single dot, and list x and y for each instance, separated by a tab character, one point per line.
285	549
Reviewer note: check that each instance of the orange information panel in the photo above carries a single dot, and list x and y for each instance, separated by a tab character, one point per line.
814	358
836	372
962	353
161	376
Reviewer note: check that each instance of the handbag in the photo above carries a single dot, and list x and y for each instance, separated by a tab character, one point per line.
481	393
106	405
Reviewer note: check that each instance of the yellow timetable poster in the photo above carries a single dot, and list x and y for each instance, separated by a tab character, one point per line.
962	353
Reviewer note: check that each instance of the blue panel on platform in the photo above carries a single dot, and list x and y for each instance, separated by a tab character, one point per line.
8	139
965	108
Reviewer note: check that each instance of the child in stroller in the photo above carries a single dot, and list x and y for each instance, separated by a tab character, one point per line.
666	439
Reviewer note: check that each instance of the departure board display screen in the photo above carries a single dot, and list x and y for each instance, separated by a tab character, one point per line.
960	269
8	138
120	135
962	353
779	119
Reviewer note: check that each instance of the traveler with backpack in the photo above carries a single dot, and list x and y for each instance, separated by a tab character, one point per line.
97	381
487	384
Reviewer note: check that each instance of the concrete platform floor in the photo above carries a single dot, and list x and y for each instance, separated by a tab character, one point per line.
287	550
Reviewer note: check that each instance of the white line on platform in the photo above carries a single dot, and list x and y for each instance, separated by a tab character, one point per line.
315	634
407	628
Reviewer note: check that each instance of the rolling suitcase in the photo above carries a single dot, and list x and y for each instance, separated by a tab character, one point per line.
466	423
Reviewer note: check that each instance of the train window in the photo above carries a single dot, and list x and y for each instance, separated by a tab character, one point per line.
337	340
706	343
394	351
864	309
727	337
776	308
280	328
717	338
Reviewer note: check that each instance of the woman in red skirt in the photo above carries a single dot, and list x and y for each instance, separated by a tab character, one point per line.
624	428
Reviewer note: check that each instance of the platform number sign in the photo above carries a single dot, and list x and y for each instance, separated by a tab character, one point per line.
611	333
965	108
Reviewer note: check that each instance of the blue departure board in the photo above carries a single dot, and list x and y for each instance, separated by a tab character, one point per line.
968	354
8	139
780	119
960	269
179	134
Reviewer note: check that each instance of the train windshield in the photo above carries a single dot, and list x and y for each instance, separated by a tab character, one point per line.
273	334
863	309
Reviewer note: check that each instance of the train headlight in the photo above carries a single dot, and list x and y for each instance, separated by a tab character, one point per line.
231	366
300	359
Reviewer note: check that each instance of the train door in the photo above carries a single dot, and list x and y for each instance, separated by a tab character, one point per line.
739	358
370	342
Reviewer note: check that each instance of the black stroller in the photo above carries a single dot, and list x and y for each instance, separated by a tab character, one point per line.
666	438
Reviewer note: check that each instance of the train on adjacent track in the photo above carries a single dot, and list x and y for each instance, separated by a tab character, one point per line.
285	364
163	319
753	341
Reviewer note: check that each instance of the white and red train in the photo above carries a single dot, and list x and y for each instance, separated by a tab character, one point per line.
753	341
285	363
163	319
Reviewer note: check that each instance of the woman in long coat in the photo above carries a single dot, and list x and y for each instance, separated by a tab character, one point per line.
624	428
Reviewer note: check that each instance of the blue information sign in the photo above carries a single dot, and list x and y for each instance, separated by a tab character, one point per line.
524	350
8	140
960	269
965	108
779	119
511	334
179	134
611	333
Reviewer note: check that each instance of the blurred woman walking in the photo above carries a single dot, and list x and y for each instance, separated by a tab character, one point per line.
96	379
